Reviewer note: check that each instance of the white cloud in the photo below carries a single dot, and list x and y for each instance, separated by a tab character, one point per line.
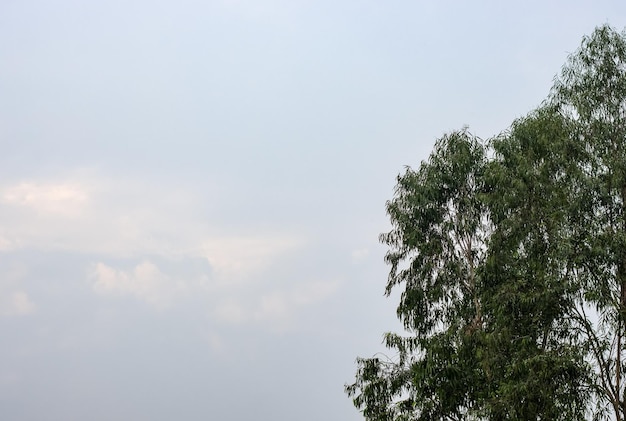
280	308
313	292
145	282
14	300
231	311
276	309
16	303
216	342
96	215
65	199
238	258
130	219
6	244
359	255
151	224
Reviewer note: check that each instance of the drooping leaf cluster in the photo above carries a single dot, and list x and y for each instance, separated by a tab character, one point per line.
511	258
537	371
590	93
436	246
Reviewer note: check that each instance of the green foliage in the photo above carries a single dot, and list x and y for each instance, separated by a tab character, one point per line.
474	244
591	94
511	257
436	245
536	370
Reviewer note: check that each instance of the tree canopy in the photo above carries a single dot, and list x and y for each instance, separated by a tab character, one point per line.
511	257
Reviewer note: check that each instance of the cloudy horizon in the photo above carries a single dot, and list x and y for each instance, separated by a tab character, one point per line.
191	193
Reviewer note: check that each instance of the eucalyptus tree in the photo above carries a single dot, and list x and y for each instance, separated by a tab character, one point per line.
511	257
591	93
535	370
476	246
436	248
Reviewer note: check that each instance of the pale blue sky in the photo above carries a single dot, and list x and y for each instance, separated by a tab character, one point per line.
191	192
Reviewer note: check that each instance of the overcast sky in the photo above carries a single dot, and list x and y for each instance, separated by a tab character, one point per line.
191	192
